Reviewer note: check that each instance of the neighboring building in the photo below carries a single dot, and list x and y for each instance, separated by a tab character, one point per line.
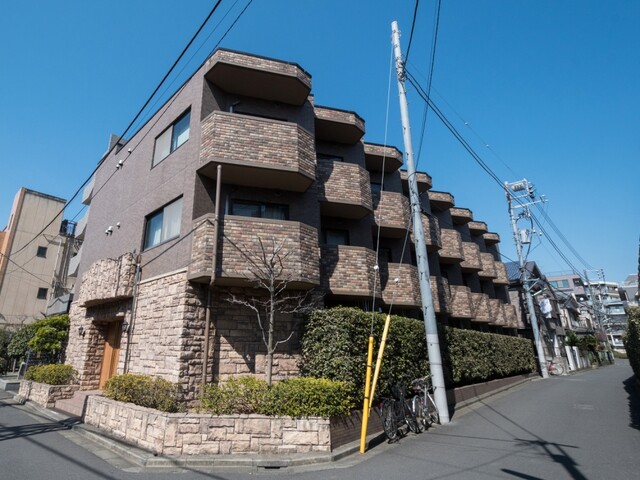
291	172
30	261
628	291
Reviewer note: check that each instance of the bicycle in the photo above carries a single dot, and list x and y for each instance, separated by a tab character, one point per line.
555	368
423	405
396	412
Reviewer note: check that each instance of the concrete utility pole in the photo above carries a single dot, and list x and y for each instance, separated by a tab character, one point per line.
428	311
518	237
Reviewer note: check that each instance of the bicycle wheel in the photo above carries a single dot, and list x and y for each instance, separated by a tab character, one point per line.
409	417
417	405
432	415
389	422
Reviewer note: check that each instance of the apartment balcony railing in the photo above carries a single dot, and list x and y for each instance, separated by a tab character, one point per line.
81	227
488	266
472	262
108	280
501	274
451	251
339	126
87	193
461	300
392	214
258	77
478	228
379	158
511	318
257	152
425	182
497	312
481	312
441	293
240	245
346	270
432	234
491	238
441	200
461	216
74	264
406	292
344	190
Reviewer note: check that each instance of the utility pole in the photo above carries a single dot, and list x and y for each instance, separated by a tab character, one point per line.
428	311
520	237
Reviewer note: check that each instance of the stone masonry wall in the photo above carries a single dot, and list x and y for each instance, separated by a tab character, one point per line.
45	395
108	280
202	434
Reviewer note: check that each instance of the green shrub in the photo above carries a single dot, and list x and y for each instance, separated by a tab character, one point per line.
51	341
143	390
56	374
296	397
619	355
334	346
632	339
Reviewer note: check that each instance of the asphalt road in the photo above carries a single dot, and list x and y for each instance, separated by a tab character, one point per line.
583	426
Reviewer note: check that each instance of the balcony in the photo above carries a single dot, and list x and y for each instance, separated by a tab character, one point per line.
451	251
338	126
440	201
488	266
74	263
344	190
432	236
491	238
81	227
240	245
257	152
462	304
380	158
424	181
392	214
472	262
481	312
441	293
497	312
108	280
406	292
511	318
461	216
348	270
87	193
501	274
258	77
478	228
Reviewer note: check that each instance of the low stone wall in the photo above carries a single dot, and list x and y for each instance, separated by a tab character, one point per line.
176	434
45	395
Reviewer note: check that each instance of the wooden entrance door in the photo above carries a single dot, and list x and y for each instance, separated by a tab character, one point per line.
111	352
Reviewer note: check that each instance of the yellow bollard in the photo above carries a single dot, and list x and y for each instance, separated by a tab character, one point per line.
383	343
365	408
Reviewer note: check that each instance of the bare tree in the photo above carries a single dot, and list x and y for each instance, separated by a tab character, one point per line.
270	275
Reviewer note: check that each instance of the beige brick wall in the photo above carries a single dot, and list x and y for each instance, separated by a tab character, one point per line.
45	395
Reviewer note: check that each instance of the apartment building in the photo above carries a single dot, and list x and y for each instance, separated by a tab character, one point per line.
31	256
292	174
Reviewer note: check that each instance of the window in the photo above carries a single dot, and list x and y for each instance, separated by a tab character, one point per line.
376	188
577	282
42	252
334	158
42	293
163	225
335	237
246	208
172	138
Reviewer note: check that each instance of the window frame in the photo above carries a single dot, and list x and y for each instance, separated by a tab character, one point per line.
154	215
172	136
262	208
42	294
345	232
41	252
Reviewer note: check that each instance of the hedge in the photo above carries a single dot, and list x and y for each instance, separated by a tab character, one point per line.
334	346
55	374
143	390
632	339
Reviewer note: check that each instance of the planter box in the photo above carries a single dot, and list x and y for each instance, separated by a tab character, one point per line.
45	395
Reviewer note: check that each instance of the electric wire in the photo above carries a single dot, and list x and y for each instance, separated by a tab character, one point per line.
413	24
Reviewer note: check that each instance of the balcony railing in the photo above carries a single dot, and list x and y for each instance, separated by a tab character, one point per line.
461	216
257	152
108	280
497	312
511	318
501	274
344	190
392	214
404	292
488	266
440	200
340	126
441	293
462	304
451	251
425	182
491	238
242	242
478	228
481	312
380	158
472	261
346	270
432	234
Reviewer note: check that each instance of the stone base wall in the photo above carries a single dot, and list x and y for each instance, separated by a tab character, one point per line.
176	434
45	395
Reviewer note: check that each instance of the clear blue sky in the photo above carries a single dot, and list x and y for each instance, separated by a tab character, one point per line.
551	86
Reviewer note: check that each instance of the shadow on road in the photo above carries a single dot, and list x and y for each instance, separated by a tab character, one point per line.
633	390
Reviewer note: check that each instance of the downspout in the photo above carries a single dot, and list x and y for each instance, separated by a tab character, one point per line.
134	304
214	261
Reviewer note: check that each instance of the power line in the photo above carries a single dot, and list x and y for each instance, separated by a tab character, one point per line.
413	24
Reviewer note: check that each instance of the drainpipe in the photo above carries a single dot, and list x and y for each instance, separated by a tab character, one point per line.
134	303
207	321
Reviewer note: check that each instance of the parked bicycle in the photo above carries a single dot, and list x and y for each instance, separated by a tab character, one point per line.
555	368
423	405
396	414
